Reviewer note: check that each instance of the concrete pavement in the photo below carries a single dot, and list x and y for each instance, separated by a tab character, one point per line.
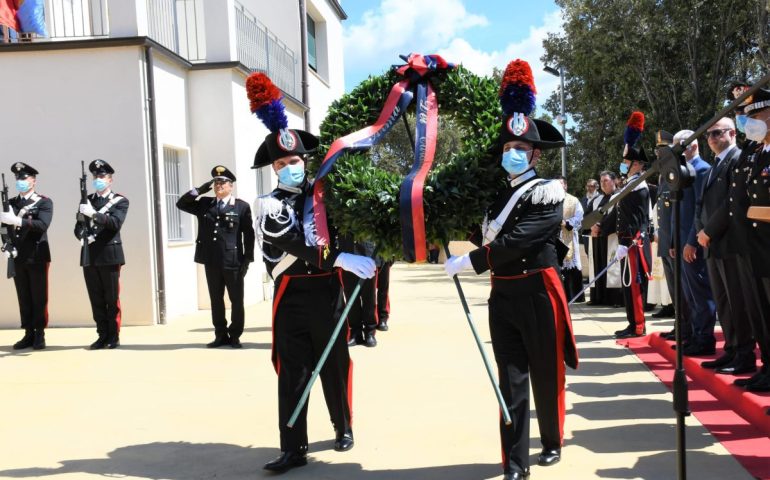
163	406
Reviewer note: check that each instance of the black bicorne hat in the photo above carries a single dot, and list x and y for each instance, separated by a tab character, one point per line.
223	173
284	143
22	170
99	167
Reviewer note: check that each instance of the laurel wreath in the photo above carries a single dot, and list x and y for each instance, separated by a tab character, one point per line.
362	199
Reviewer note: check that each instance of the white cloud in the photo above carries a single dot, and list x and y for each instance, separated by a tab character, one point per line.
529	49
404	26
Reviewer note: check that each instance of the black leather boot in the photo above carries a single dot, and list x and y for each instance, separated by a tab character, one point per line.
26	341
39	341
286	461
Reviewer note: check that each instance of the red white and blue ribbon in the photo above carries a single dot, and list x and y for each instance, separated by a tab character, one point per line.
416	73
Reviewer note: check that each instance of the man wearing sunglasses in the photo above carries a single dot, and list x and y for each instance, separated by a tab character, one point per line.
711	222
225	246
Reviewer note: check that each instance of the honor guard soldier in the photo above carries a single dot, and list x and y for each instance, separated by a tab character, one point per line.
225	246
519	245
632	217
308	296
27	223
755	125
101	217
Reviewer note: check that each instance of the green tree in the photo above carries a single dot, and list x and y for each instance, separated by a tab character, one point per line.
671	59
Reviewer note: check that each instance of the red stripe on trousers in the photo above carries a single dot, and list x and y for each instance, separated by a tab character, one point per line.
281	289
636	290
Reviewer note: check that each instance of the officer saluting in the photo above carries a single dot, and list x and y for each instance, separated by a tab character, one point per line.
31	214
225	245
105	211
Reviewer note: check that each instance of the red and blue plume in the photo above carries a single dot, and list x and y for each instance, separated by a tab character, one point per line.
265	99
517	90
634	128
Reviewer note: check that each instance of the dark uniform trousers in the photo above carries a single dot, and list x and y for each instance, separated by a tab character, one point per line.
733	304
668	271
698	300
362	318
103	285
305	312
528	346
218	279
634	281
382	284
33	259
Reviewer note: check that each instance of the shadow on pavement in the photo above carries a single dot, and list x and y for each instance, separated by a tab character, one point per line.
612	390
185	461
652	465
637	437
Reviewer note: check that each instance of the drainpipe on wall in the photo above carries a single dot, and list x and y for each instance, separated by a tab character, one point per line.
155	196
303	55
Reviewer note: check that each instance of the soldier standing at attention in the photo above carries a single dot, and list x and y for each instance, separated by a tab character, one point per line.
225	246
106	212
31	215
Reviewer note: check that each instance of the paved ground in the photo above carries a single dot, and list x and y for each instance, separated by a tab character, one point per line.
164	407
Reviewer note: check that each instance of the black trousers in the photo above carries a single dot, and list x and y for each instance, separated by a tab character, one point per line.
383	285
219	279
362	318
668	271
528	342
634	295
733	305
103	284
752	281
573	283
306	309
31	283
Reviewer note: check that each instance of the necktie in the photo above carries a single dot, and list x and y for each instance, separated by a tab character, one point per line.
221	206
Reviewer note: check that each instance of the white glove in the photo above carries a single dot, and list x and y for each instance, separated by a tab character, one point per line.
9	218
86	209
455	265
621	252
361	266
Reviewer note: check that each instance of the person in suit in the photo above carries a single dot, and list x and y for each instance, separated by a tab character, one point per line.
529	318
225	246
712	222
695	279
30	216
106	211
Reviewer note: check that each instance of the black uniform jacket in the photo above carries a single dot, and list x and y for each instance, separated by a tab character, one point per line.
758	189
107	247
711	213
631	215
31	239
738	199
279	224
225	238
664	212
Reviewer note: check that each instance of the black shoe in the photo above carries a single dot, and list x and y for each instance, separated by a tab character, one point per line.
344	442
744	382
666	312
516	475
286	461
740	364
219	341
356	339
624	331
761	385
549	456
671	335
370	340
39	342
235	342
112	342
26	341
98	344
383	325
629	333
648	307
723	360
696	350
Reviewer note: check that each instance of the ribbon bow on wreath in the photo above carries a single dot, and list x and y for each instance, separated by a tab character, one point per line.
416	72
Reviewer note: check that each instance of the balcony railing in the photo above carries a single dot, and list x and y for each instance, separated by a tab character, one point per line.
178	26
68	19
260	50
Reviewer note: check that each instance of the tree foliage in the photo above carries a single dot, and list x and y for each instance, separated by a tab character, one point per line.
671	59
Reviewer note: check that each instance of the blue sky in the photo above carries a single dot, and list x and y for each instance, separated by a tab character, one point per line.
480	34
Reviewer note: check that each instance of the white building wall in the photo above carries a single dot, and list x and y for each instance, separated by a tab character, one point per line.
64	108
328	84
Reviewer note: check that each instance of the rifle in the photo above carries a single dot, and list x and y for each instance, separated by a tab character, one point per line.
7	233
84	221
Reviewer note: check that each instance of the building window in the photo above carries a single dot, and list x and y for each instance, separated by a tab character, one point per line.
312	57
175	167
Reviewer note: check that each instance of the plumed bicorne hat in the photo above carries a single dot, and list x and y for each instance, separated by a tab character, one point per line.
631	149
265	99
517	99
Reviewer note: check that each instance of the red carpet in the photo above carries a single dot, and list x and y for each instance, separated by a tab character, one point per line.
735	417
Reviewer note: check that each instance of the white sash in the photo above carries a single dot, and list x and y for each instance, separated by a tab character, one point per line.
494	227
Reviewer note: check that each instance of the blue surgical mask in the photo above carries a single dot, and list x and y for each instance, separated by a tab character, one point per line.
292	175
515	162
100	184
740	122
623	168
22	186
